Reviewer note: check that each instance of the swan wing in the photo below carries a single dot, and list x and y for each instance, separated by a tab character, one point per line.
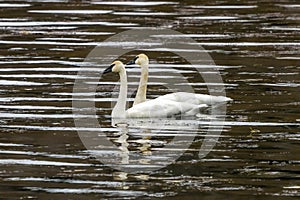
194	98
159	108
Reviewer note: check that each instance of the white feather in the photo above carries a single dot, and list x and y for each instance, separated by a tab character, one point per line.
179	97
193	98
161	107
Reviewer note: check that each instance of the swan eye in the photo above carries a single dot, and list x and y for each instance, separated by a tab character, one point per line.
109	69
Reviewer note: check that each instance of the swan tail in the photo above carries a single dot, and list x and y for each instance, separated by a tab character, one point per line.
211	100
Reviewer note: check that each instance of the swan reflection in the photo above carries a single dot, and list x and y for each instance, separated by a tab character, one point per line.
143	145
149	144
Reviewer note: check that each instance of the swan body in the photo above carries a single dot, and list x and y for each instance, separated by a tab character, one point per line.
162	108
180	97
159	107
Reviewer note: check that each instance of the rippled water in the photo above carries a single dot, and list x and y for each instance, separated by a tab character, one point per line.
255	46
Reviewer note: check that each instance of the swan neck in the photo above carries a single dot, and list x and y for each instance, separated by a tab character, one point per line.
120	107
142	89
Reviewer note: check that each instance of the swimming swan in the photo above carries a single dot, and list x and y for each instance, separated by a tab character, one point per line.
143	61
159	107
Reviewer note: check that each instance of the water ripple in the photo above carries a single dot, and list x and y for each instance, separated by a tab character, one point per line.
60	23
40	163
226	7
135	3
87	191
14	5
21	83
74	12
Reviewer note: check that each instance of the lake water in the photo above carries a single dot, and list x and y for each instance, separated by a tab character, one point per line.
255	47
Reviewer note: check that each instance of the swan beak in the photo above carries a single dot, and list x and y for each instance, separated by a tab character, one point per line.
132	62
128	67
108	70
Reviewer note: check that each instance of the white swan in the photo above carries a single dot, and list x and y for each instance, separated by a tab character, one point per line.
143	61
159	107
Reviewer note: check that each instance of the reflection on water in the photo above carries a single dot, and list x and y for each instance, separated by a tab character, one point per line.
255	46
144	145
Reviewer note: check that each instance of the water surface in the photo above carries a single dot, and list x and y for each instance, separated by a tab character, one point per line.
255	46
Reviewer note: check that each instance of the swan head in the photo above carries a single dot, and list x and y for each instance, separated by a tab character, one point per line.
140	59
116	67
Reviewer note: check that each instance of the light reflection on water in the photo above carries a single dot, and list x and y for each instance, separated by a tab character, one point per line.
255	47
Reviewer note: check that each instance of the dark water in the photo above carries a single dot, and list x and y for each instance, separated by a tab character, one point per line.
254	45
